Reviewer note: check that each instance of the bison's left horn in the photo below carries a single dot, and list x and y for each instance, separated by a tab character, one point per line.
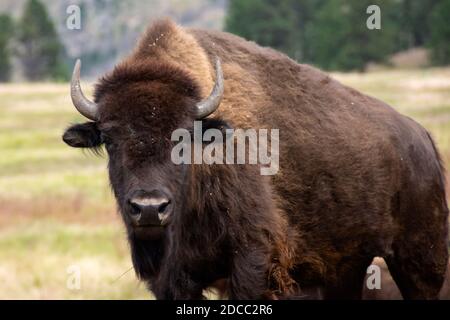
84	106
210	104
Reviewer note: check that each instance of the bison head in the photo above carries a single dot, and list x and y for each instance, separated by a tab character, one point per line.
136	109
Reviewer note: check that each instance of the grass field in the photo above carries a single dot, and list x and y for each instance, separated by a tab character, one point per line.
56	209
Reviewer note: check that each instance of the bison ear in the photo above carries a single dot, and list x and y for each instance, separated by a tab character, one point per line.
85	135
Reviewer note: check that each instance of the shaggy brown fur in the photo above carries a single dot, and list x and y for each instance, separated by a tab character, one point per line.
356	180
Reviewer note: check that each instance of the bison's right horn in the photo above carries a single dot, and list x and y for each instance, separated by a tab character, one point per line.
210	104
84	106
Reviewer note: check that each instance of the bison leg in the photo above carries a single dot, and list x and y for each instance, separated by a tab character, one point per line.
418	269
350	280
418	261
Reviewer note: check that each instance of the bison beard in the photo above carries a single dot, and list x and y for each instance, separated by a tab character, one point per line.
356	179
199	247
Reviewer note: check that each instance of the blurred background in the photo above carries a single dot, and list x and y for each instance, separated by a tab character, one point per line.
57	213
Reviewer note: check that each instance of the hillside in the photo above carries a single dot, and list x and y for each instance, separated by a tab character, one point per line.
110	28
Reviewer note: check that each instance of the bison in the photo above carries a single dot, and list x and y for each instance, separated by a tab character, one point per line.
356	179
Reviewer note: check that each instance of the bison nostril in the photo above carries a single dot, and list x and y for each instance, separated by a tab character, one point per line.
163	207
135	208
149	208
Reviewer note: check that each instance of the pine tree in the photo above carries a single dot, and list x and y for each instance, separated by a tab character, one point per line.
6	32
40	50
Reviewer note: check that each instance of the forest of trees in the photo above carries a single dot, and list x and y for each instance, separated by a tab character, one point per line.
333	34
34	41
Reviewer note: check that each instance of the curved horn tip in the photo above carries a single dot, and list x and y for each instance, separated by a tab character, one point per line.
212	102
77	68
82	104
